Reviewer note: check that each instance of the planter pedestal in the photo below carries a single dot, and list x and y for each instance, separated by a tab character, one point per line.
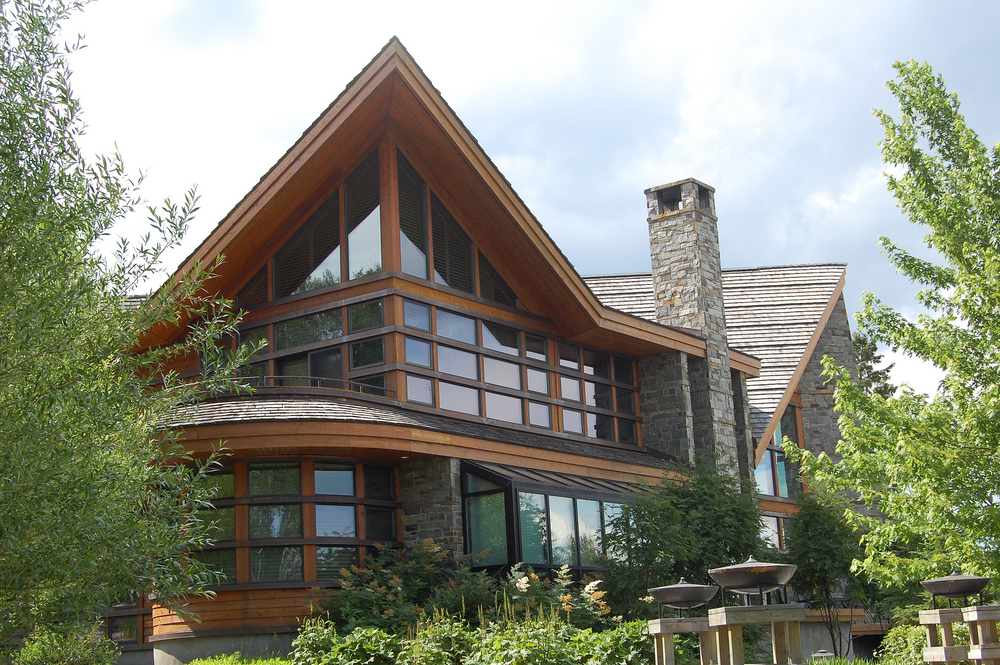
663	631
785	636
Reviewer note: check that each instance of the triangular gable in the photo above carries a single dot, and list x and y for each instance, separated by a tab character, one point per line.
392	97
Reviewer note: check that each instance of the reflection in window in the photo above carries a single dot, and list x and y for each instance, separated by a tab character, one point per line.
452	249
534	528
335	479
457	363
330	561
335	522
771	531
504	407
500	338
416	316
275	564
293	371
456	327
222	483
459	398
539	415
124	629
412	220
222	523
308	329
365	316
600	426
418	352
561	522
311	259
276	521
419	389
764	475
487	522
274	479
538	381
222	562
364	221
367	352
501	373
589	527
370	385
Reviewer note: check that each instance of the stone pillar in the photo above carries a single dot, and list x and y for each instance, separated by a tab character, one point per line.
687	285
665	399
432	503
743	428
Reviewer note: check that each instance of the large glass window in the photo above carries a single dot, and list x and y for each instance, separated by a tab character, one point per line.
275	564
457	362
222	521
335	522
501	373
274	479
417	316
380	523
412	220
255	291
365	316
562	524
337	479
311	259
459	398
418	352
452	249
367	352
364	221
589	528
504	407
455	326
380	482
419	389
283	521
487	522
328	365
500	338
534	528
331	560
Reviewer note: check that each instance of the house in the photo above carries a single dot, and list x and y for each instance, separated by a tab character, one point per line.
434	367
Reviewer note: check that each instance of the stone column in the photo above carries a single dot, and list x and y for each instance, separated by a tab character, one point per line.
432	503
687	285
743	428
665	396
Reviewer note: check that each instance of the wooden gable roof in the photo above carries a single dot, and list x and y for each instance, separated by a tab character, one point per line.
392	97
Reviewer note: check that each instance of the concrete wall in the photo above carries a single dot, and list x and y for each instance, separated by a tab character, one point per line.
182	651
432	503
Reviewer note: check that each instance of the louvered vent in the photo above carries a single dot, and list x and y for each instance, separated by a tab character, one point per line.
412	225
492	286
364	228
452	249
311	259
255	291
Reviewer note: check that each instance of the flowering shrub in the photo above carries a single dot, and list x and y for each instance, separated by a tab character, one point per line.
532	595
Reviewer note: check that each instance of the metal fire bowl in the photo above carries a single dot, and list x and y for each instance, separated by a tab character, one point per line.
753	576
684	596
956	586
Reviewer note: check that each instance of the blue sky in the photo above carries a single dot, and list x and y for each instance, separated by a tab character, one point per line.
581	104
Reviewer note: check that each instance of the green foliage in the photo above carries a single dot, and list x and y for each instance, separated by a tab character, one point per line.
81	645
90	511
240	659
449	641
395	593
698	520
903	645
527	594
823	546
930	465
873	381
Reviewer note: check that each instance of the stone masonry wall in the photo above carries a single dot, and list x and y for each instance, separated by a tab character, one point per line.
432	503
664	393
819	420
687	285
744	431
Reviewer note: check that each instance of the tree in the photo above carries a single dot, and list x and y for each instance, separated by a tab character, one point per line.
696	520
95	501
823	546
871	380
929	466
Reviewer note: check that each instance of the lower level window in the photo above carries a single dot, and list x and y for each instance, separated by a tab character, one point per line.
124	629
275	564
487	522
331	560
222	561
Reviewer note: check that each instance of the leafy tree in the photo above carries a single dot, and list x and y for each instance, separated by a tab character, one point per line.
697	520
871	380
823	546
89	508
929	466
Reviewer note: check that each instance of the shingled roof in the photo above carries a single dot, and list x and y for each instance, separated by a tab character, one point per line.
772	314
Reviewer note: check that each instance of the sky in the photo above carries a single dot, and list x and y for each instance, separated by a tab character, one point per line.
582	105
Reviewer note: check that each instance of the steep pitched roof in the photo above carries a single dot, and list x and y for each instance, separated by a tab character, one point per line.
393	97
774	313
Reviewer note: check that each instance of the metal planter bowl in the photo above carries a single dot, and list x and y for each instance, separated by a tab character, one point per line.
753	576
684	596
956	585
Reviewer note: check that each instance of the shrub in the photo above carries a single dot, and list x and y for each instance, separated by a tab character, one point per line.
79	646
533	642
904	645
442	641
527	594
628	644
239	659
319	644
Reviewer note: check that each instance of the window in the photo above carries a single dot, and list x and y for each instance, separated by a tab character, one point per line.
501	373
539	415
276	478
459	398
335	479
365	316
330	561
487	525
457	362
124	629
254	292
536	348
335	522
418	352
492	286
276	564
771	531
569	388
283	521
222	521
419	389
452	249
412	220
367	352
534	528
379	482
364	220
504	407
455	326
380	523
500	338
416	316
311	259
308	329
222	561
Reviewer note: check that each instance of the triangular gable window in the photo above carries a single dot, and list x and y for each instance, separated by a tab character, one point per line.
364	220
412	220
311	259
492	286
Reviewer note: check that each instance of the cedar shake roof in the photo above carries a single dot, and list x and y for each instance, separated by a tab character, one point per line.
772	314
273	409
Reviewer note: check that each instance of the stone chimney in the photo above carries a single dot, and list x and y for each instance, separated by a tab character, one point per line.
687	284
